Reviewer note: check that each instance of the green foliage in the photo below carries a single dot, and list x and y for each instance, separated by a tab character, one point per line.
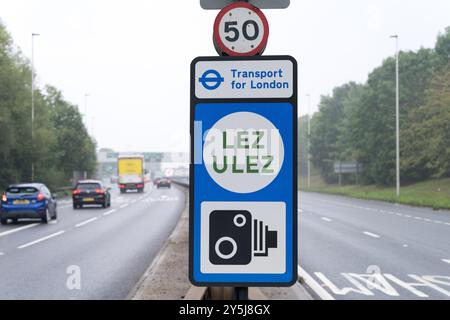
61	143
357	122
302	159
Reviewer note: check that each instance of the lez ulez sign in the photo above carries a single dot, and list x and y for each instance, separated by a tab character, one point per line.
243	188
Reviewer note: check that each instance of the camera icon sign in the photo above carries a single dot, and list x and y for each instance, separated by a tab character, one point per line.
235	238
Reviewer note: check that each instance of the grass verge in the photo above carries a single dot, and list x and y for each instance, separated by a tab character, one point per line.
432	193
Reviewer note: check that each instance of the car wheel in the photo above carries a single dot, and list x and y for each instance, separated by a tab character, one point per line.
3	221
75	206
15	220
55	215
46	217
105	204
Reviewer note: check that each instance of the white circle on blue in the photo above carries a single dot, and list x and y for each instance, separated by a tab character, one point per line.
243	152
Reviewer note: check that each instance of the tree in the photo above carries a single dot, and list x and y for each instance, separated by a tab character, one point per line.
61	143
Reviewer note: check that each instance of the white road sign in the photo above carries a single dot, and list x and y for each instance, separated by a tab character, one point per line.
244	79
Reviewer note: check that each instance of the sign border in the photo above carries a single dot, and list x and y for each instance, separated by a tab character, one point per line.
259	49
292	100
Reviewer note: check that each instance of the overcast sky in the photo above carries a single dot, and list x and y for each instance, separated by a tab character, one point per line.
133	57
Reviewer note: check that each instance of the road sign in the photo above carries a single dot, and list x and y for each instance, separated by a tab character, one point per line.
347	167
262	4
243	175
240	29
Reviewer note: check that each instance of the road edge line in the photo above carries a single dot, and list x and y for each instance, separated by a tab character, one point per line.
314	285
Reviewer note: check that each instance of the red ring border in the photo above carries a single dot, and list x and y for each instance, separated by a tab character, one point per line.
260	14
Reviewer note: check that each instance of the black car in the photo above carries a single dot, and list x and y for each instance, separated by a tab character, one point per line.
163	183
28	201
91	192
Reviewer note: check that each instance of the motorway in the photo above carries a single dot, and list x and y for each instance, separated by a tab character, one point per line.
358	249
91	253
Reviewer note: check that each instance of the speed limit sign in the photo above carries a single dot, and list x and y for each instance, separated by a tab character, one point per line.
240	29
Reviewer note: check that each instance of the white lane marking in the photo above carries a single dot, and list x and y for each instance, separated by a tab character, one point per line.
408	216
85	222
326	219
109	212
405	246
418	218
314	285
124	206
1	253
446	260
427	220
437	221
370	234
399	214
40	240
18	229
447	223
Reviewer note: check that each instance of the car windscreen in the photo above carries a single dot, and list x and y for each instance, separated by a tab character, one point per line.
88	186
21	190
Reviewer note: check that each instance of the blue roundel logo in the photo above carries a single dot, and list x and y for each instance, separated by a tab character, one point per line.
211	79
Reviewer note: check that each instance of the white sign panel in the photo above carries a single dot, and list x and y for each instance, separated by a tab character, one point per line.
243	237
244	79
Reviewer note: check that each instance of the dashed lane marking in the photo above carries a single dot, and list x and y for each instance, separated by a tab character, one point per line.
29	244
326	219
18	229
370	234
85	222
109	212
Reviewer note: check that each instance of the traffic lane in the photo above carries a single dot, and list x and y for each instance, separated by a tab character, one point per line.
431	234
25	230
351	263
111	254
422	212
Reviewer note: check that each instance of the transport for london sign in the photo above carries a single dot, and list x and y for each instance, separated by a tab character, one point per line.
243	179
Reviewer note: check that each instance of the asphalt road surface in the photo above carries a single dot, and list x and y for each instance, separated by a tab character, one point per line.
91	253
357	249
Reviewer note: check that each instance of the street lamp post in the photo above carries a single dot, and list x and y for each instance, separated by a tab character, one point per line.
397	115
32	104
309	140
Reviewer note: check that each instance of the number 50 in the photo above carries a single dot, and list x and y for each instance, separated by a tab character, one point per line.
230	26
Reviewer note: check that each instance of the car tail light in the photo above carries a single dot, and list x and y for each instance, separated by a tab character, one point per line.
75	192
40	197
121	186
140	185
100	191
4	198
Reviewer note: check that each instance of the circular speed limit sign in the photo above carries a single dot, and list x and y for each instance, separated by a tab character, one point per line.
240	29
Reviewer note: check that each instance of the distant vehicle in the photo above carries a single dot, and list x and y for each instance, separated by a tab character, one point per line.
91	192
156	180
164	183
131	173
28	201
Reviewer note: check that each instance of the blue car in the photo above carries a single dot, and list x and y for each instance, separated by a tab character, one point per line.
27	201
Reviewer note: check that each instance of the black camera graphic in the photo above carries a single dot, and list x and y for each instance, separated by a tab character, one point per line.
231	241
